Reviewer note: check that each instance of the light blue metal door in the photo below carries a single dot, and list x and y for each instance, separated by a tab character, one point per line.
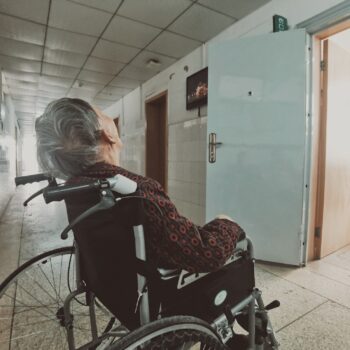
257	110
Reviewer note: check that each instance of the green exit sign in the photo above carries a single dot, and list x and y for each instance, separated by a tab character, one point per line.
280	23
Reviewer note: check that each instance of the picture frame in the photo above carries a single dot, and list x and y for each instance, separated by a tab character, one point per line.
197	89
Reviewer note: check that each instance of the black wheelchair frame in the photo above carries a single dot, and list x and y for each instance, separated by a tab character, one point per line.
251	309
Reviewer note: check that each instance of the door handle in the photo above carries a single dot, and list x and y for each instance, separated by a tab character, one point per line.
212	147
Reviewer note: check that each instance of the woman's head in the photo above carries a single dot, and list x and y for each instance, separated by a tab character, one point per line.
71	136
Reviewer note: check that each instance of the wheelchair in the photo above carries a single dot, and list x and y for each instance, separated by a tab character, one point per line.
71	298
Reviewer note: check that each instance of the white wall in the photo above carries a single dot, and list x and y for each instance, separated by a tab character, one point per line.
7	149
187	131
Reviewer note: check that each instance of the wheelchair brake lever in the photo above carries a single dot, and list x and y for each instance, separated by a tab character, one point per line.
52	183
36	194
107	201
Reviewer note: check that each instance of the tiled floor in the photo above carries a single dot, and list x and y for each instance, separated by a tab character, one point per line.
315	300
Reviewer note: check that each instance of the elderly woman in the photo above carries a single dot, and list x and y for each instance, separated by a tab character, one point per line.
78	142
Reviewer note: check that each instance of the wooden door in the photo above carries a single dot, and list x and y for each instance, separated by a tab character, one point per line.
332	218
157	139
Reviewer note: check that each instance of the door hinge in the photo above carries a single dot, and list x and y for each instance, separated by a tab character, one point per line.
317	232
323	65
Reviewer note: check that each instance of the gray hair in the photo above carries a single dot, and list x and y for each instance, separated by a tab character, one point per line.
67	137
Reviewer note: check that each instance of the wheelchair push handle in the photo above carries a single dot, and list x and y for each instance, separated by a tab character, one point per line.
23	180
56	194
118	183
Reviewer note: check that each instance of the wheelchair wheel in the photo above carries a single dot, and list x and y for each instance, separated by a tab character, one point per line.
31	304
172	333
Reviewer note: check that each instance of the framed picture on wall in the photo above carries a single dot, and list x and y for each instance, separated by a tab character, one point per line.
197	89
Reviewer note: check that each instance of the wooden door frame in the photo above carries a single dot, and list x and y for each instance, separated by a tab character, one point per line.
321	163
153	99
315	231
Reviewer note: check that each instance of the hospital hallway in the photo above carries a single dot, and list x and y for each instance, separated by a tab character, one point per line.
315	300
232	114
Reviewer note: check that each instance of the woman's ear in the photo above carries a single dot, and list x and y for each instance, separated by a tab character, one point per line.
107	137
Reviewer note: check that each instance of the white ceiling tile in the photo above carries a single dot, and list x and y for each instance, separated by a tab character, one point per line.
201	23
103	103
34	10
108	97
129	32
88	86
32	77
24	92
44	100
86	95
106	5
41	104
173	45
113	90
24	106
234	8
113	93
13	84
77	18
137	73
19	64
25	103
20	49
23	98
23	115
52	88
27	130
57	81
125	82
113	51
18	29
155	12
58	39
60	70
50	94
65	58
95	77
143	58
103	66
24	109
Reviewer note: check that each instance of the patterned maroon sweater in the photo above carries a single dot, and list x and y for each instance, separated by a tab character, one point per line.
174	239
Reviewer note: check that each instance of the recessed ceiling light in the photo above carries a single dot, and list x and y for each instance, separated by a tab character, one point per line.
153	63
79	83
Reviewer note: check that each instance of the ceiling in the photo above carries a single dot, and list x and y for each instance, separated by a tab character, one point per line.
100	50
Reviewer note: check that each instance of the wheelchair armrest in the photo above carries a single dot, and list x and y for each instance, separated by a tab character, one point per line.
241	245
166	274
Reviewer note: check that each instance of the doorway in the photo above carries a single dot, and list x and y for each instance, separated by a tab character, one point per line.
157	138
332	219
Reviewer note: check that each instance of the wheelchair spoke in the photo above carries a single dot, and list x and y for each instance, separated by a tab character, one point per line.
54	283
34	298
31	305
34	308
59	284
36	283
50	283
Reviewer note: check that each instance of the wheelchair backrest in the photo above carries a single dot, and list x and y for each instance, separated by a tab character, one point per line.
107	253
